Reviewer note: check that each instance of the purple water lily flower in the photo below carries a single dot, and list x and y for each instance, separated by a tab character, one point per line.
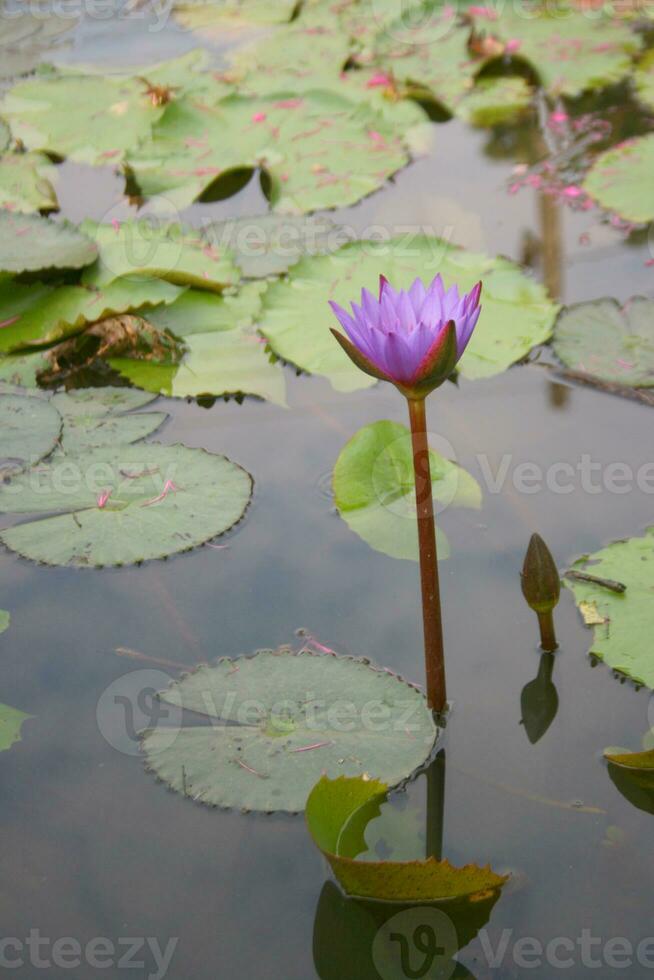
412	338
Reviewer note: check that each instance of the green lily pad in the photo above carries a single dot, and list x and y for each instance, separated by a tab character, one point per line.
95	417
87	118
5	136
433	57
146	249
213	18
26	183
269	244
495	100
11	722
644	79
20	371
5	619
337	813
162	500
570	51
29	429
296	319
297	716
632	773
610	342
29	243
41	315
318	150
374	489
621	179
224	353
623	622
636	761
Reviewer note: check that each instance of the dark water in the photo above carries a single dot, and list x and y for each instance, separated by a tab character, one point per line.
93	847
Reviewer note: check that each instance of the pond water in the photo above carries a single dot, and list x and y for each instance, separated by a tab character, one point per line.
94	847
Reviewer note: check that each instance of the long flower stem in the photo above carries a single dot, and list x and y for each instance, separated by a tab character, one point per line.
431	601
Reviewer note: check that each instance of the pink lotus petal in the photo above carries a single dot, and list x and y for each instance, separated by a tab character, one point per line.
288	104
572	191
103	498
512	45
378	80
115	224
259	117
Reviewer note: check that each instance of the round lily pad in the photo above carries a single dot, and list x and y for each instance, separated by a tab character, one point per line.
11	722
608	341
621	179
294	717
29	243
374	489
296	319
25	182
317	150
29	429
124	504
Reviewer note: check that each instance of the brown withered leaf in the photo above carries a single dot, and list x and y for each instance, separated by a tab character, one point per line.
117	336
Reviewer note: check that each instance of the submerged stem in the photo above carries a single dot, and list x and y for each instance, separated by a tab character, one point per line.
431	602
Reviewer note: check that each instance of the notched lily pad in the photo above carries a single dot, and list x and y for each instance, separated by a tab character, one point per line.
98	417
149	249
30	429
29	243
26	183
624	621
606	340
620	179
296	319
11	722
337	813
374	489
294	716
122	505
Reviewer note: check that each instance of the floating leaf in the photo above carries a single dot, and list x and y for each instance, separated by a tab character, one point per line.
43	315
570	51
621	179
5	619
147	249
374	489
623	638
269	244
124	504
495	100
517	314
29	243
637	761
297	716
337	812
224	353
29	429
5	136
96	417
21	371
89	119
644	78
366	939
318	150
213	18
632	773
11	722
25	182
610	342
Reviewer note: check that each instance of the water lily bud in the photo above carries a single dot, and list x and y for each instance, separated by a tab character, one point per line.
541	584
